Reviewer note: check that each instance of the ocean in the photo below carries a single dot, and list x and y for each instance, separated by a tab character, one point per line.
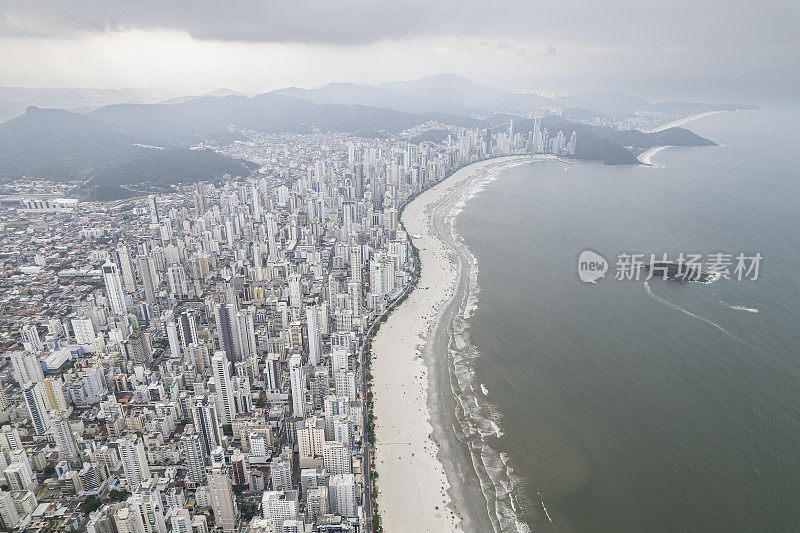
633	406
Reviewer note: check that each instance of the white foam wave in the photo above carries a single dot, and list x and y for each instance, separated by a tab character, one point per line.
739	307
480	420
652	295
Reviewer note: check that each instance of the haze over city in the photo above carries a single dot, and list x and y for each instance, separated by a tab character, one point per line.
684	50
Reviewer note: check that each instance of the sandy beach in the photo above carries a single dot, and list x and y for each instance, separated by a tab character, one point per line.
646	157
682	121
426	479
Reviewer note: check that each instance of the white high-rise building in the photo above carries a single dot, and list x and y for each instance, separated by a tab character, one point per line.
149	511
114	289
346	385
126	266
298	386
26	367
280	506
127	521
310	441
134	460
337	458
181	521
244	335
8	511
342	494
224	388
83	330
29	335
65	442
280	472
314	337
222	501
172	335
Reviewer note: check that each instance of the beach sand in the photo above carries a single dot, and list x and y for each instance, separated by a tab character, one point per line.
682	121
426	477
646	157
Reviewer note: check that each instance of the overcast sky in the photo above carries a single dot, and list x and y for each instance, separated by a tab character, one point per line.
718	49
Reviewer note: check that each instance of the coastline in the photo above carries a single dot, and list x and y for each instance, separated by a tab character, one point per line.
420	446
682	121
646	157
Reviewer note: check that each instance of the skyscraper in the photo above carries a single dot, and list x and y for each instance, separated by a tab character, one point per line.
224	314
206	424
244	335
192	448
36	408
224	388
114	289
298	386
134	459
314	338
222	501
65	442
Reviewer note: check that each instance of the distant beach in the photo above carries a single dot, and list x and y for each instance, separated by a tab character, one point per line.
646	157
682	121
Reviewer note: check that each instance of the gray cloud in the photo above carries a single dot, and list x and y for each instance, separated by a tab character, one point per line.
637	23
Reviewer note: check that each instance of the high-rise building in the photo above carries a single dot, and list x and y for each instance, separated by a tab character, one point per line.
280	472
279	506
193	458
172	335
297	381
273	372
310	441
224	314
239	470
187	329
314	337
65	442
26	367
126	266
126	521
206	424
149	277
34	401
181	521
244	335
114	289
224	388
342	493
152	204
222	501
8	511
337	458
29	335
134	459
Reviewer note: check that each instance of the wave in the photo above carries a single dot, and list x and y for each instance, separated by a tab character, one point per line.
739	307
652	295
479	420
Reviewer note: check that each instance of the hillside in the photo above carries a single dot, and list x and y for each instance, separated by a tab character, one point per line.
56	144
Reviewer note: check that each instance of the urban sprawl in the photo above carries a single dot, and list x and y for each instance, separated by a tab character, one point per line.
198	360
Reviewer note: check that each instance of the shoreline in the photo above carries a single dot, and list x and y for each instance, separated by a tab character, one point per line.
422	449
646	157
682	121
